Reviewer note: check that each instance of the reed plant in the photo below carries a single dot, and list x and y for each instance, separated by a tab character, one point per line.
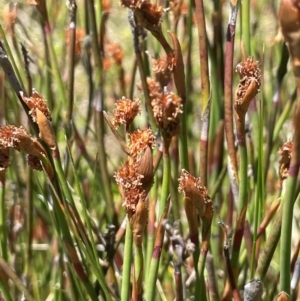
150	150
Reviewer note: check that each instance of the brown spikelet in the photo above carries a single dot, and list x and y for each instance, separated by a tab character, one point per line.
285	153
36	101
194	191
125	111
34	162
138	222
46	130
166	110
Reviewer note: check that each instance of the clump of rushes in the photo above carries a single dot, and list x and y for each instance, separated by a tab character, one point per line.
250	81
135	178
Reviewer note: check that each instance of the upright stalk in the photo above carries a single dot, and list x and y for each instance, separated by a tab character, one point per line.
125	290
289	200
228	81
205	89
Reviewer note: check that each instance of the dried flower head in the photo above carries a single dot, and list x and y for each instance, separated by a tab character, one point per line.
151	14
154	87
138	221
125	111
34	162
115	51
148	15
127	176
139	140
17	138
166	110
163	68
9	17
130	180
250	81
36	101
285	153
79	36
194	191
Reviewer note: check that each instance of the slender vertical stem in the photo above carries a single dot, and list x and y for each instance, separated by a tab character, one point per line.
228	111
205	89
289	199
72	6
242	199
125	290
138	273
246	25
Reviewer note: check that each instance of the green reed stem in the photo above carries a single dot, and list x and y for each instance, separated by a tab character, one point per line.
245	10
125	290
150	291
242	200
270	246
138	270
151	226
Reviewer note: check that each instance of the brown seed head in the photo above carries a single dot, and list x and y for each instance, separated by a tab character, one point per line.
115	51
250	79
154	87
17	138
46	130
145	168
163	68
36	101
194	191
139	140
125	111
9	136
127	176
138	221
148	14
151	13
79	36
166	110
34	162
285	153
